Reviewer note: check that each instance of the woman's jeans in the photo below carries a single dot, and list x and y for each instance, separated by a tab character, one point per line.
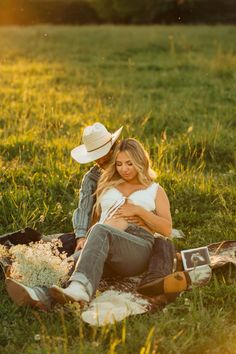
125	253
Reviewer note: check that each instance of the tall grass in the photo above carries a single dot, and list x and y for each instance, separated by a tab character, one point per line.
173	88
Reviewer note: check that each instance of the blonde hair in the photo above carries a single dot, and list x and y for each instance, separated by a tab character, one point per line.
140	160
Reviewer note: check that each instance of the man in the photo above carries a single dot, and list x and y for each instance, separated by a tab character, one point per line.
98	146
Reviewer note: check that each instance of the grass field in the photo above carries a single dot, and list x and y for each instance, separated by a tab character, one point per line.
171	87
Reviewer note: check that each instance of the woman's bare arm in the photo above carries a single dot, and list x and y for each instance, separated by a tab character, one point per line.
160	222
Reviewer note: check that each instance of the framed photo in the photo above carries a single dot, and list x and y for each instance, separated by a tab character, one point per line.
195	257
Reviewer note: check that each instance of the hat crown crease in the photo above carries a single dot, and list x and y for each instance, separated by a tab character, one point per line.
93	141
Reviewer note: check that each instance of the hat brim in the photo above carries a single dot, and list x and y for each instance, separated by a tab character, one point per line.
81	155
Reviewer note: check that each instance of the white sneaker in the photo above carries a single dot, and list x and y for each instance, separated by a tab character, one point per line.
75	292
23	295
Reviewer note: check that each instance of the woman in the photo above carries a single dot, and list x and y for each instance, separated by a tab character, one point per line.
125	189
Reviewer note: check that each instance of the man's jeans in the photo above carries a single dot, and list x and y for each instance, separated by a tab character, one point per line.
126	253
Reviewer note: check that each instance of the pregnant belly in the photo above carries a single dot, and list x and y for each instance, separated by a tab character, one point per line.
122	224
118	223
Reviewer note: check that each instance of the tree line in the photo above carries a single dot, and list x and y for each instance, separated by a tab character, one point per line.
28	12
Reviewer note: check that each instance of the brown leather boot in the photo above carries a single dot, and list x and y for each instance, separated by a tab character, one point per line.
160	278
170	284
178	281
161	264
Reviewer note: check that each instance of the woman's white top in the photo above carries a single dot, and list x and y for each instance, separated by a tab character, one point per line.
112	200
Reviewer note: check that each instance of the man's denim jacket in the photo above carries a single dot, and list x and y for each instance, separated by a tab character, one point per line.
82	215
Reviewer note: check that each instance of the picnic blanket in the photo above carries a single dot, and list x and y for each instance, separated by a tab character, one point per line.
117	298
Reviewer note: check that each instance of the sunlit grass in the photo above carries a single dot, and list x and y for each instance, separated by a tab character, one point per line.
171	87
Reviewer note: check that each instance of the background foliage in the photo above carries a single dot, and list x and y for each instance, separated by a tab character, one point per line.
116	11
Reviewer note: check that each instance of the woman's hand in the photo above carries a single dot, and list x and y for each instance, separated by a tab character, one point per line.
127	210
135	220
129	214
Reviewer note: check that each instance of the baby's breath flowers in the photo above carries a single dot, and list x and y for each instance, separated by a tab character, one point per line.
4	258
4	253
39	264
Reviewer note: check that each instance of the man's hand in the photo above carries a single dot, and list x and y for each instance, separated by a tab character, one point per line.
80	243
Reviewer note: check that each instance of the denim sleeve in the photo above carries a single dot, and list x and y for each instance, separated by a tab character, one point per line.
81	218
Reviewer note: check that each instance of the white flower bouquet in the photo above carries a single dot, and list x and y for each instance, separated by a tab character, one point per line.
39	264
4	253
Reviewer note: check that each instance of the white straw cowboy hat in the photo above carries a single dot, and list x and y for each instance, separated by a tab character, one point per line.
97	142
